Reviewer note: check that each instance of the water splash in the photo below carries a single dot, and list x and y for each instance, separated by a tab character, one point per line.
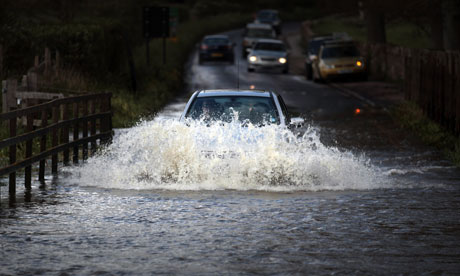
167	154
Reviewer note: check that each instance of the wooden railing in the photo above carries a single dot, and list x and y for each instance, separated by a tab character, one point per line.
67	124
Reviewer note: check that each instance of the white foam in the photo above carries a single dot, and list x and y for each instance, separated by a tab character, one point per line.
167	154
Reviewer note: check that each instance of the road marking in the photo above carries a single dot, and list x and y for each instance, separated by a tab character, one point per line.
352	93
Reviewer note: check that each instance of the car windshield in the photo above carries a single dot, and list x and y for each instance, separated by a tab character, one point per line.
216	41
340	51
254	110
260	33
267	46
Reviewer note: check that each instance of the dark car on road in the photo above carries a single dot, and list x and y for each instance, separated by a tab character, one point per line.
270	17
311	53
216	47
314	44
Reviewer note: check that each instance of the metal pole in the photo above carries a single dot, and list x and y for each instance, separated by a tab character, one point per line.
147	51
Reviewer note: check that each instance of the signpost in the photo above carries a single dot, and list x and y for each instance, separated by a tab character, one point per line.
156	25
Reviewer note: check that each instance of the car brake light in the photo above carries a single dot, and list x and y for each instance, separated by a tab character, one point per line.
204	47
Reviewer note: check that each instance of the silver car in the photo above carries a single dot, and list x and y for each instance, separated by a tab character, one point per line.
268	54
257	107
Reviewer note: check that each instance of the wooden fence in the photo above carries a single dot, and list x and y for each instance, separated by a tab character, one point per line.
431	78
73	124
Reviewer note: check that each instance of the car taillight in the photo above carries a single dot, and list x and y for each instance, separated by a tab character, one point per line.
204	47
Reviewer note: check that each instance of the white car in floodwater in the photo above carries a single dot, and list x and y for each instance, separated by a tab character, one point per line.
256	107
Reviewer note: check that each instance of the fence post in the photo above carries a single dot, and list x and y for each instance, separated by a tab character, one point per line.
57	64
12	178
75	132
36	62
65	133
44	123
106	121
93	125
47	60
85	129
1	60
9	88
54	157
28	169
456	88
4	96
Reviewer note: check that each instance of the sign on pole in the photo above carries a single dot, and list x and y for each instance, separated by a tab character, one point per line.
156	22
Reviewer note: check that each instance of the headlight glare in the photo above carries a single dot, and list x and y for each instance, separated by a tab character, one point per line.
252	58
282	60
359	63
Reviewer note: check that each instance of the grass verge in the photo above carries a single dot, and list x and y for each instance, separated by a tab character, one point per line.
411	117
401	33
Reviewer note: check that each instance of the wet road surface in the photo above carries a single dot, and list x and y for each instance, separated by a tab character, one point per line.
374	200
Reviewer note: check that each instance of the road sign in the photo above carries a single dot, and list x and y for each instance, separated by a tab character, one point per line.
156	22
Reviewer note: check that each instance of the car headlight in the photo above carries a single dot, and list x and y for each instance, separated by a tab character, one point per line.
328	66
252	58
282	60
359	63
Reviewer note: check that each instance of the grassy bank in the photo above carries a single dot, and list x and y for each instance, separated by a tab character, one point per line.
402	33
410	116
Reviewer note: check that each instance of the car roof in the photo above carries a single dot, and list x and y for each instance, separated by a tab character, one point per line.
324	37
268	10
233	92
258	26
337	43
268	40
216	36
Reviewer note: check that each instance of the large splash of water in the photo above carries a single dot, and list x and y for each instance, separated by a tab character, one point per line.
167	154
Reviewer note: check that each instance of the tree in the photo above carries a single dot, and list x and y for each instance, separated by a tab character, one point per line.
451	24
375	18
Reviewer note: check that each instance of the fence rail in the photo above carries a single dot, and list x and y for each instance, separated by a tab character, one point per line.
86	119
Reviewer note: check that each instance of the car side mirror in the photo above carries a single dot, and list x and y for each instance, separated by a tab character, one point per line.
296	122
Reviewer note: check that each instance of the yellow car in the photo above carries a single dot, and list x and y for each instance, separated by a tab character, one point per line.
339	59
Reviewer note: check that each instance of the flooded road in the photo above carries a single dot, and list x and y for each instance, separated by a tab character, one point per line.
353	195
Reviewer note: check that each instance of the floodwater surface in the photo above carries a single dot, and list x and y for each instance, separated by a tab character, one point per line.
153	203
352	195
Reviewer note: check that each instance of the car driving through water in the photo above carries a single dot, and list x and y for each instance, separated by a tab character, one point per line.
242	115
256	107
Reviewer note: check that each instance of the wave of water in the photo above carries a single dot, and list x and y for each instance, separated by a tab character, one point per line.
167	154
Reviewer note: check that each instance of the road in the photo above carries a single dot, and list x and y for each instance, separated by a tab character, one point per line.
356	195
302	96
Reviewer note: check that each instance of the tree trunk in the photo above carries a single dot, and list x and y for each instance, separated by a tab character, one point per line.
375	22
451	12
437	32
